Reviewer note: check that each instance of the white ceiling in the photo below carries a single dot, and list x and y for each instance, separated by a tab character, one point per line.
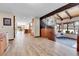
29	9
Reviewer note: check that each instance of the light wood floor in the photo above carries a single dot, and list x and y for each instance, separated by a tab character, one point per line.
26	45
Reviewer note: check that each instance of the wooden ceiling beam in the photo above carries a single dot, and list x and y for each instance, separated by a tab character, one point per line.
68	14
59	17
59	10
67	22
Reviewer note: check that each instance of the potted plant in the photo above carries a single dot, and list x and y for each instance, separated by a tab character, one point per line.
68	32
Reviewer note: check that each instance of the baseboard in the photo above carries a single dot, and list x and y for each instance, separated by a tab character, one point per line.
11	39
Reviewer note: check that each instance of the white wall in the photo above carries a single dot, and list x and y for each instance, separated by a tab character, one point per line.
7	29
36	27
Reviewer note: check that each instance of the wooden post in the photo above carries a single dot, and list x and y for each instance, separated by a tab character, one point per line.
67	26
59	27
78	41
62	26
14	25
74	26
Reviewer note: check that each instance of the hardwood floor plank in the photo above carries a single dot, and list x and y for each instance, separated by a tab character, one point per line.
26	45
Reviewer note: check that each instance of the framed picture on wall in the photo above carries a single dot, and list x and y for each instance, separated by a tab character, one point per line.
6	21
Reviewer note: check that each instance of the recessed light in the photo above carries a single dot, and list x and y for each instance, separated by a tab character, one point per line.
24	17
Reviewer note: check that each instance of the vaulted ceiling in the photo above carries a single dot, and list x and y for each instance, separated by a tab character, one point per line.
68	16
68	13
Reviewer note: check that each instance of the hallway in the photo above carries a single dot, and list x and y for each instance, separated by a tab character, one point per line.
26	45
